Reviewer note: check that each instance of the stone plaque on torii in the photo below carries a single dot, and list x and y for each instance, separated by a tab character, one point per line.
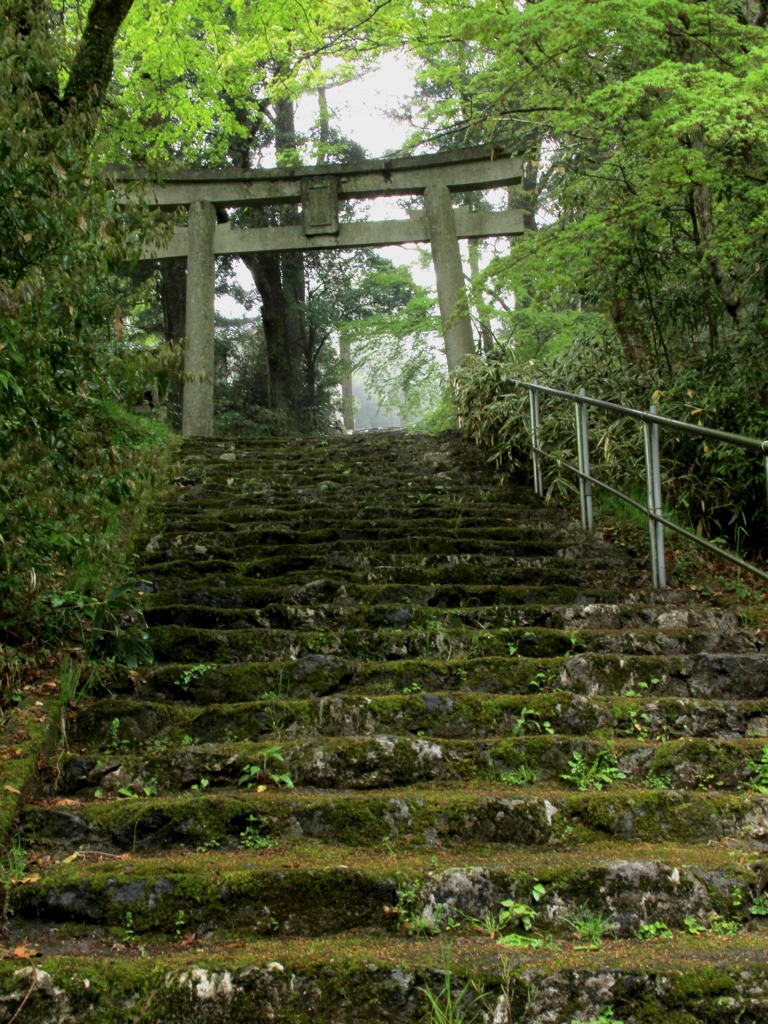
319	190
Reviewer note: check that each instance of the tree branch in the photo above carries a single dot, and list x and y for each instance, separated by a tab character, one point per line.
92	68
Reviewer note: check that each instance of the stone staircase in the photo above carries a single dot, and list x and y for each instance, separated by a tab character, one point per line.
414	749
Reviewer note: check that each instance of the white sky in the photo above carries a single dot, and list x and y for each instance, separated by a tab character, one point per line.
360	111
360	108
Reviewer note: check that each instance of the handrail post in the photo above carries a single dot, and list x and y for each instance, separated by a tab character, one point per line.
653	491
582	448
533	402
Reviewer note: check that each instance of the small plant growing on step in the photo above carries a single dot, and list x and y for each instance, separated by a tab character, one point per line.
606	1017
659	780
522	776
13	867
602	771
527	941
408	912
73	690
251	838
529	721
535	682
447	1006
189	675
693	927
267	923
590	927
274	712
758	780
513	914
654	930
723	927
114	743
129	933
264	773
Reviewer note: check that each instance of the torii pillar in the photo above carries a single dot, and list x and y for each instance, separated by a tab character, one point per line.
449	273
197	408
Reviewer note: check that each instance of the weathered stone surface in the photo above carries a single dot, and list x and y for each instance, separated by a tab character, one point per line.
373	657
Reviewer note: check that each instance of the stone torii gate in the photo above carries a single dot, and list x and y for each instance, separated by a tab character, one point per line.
319	190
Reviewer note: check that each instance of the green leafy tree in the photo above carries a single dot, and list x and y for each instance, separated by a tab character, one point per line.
652	191
67	456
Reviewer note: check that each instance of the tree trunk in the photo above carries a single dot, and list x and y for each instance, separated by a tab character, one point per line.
280	283
281	364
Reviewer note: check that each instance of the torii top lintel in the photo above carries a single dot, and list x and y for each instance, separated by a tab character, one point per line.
479	167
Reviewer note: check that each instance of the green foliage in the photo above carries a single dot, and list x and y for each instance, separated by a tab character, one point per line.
723	927
522	776
654	930
13	867
252	837
514	913
73	687
76	468
595	775
264	773
111	627
644	170
693	926
448	1006
590	927
759	772
13	864
394	345
658	780
527	941
606	1016
714	489
199	78
191	673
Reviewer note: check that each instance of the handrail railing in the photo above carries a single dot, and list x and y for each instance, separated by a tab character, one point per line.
651	421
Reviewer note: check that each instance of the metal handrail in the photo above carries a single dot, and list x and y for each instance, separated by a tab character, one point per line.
651	421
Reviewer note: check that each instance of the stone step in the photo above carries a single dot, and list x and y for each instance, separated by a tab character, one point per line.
165	760
372	520
355	498
306	892
358	980
256	642
217	483
441	539
404	549
438	715
730	676
233	591
434	572
449	816
343	613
